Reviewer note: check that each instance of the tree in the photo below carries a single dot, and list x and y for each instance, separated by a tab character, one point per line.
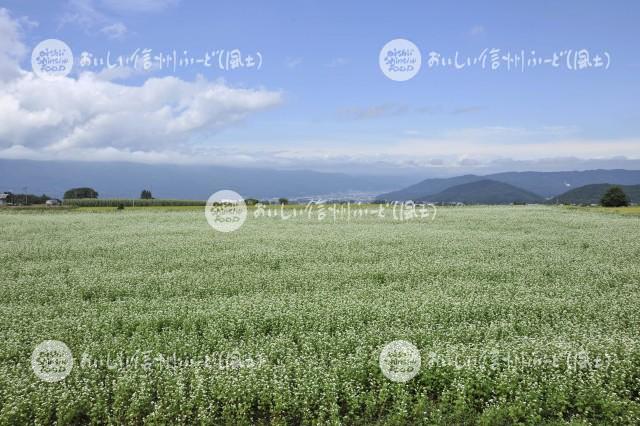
80	193
146	195
283	201
614	197
27	199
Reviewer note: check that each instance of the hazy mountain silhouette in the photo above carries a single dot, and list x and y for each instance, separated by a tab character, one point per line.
121	179
592	194
545	184
484	192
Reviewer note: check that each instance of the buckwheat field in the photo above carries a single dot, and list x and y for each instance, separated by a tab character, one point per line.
519	315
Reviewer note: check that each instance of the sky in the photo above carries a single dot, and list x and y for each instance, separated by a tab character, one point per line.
319	99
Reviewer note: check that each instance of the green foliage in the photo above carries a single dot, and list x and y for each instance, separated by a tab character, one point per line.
283	201
484	191
75	193
27	199
614	197
131	202
146	195
523	315
592	194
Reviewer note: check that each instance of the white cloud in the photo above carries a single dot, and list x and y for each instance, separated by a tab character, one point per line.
292	62
337	62
27	23
391	109
91	112
116	31
452	151
441	155
139	5
91	117
373	111
86	15
166	120
477	31
82	13
12	50
118	73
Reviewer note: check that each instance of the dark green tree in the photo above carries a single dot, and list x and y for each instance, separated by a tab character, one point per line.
80	193
27	199
283	201
146	195
614	197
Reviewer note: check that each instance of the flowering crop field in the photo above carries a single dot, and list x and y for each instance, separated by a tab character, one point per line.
520	315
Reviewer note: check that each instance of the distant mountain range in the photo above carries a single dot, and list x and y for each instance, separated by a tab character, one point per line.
198	182
543	184
493	192
592	194
483	192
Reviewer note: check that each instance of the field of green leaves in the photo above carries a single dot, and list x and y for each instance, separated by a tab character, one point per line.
130	202
521	315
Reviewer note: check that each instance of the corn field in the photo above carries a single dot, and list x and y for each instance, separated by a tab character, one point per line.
129	202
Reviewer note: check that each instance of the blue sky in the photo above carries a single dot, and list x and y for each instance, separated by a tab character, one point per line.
325	104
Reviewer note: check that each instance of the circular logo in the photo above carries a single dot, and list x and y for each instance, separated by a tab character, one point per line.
400	361
51	59
225	211
400	60
52	361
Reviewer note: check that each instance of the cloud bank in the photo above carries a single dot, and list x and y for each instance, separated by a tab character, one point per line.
169	120
92	117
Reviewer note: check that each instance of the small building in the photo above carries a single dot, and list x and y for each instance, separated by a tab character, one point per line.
52	202
5	197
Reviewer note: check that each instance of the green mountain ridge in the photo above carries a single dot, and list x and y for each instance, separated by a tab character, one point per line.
485	191
591	194
546	184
